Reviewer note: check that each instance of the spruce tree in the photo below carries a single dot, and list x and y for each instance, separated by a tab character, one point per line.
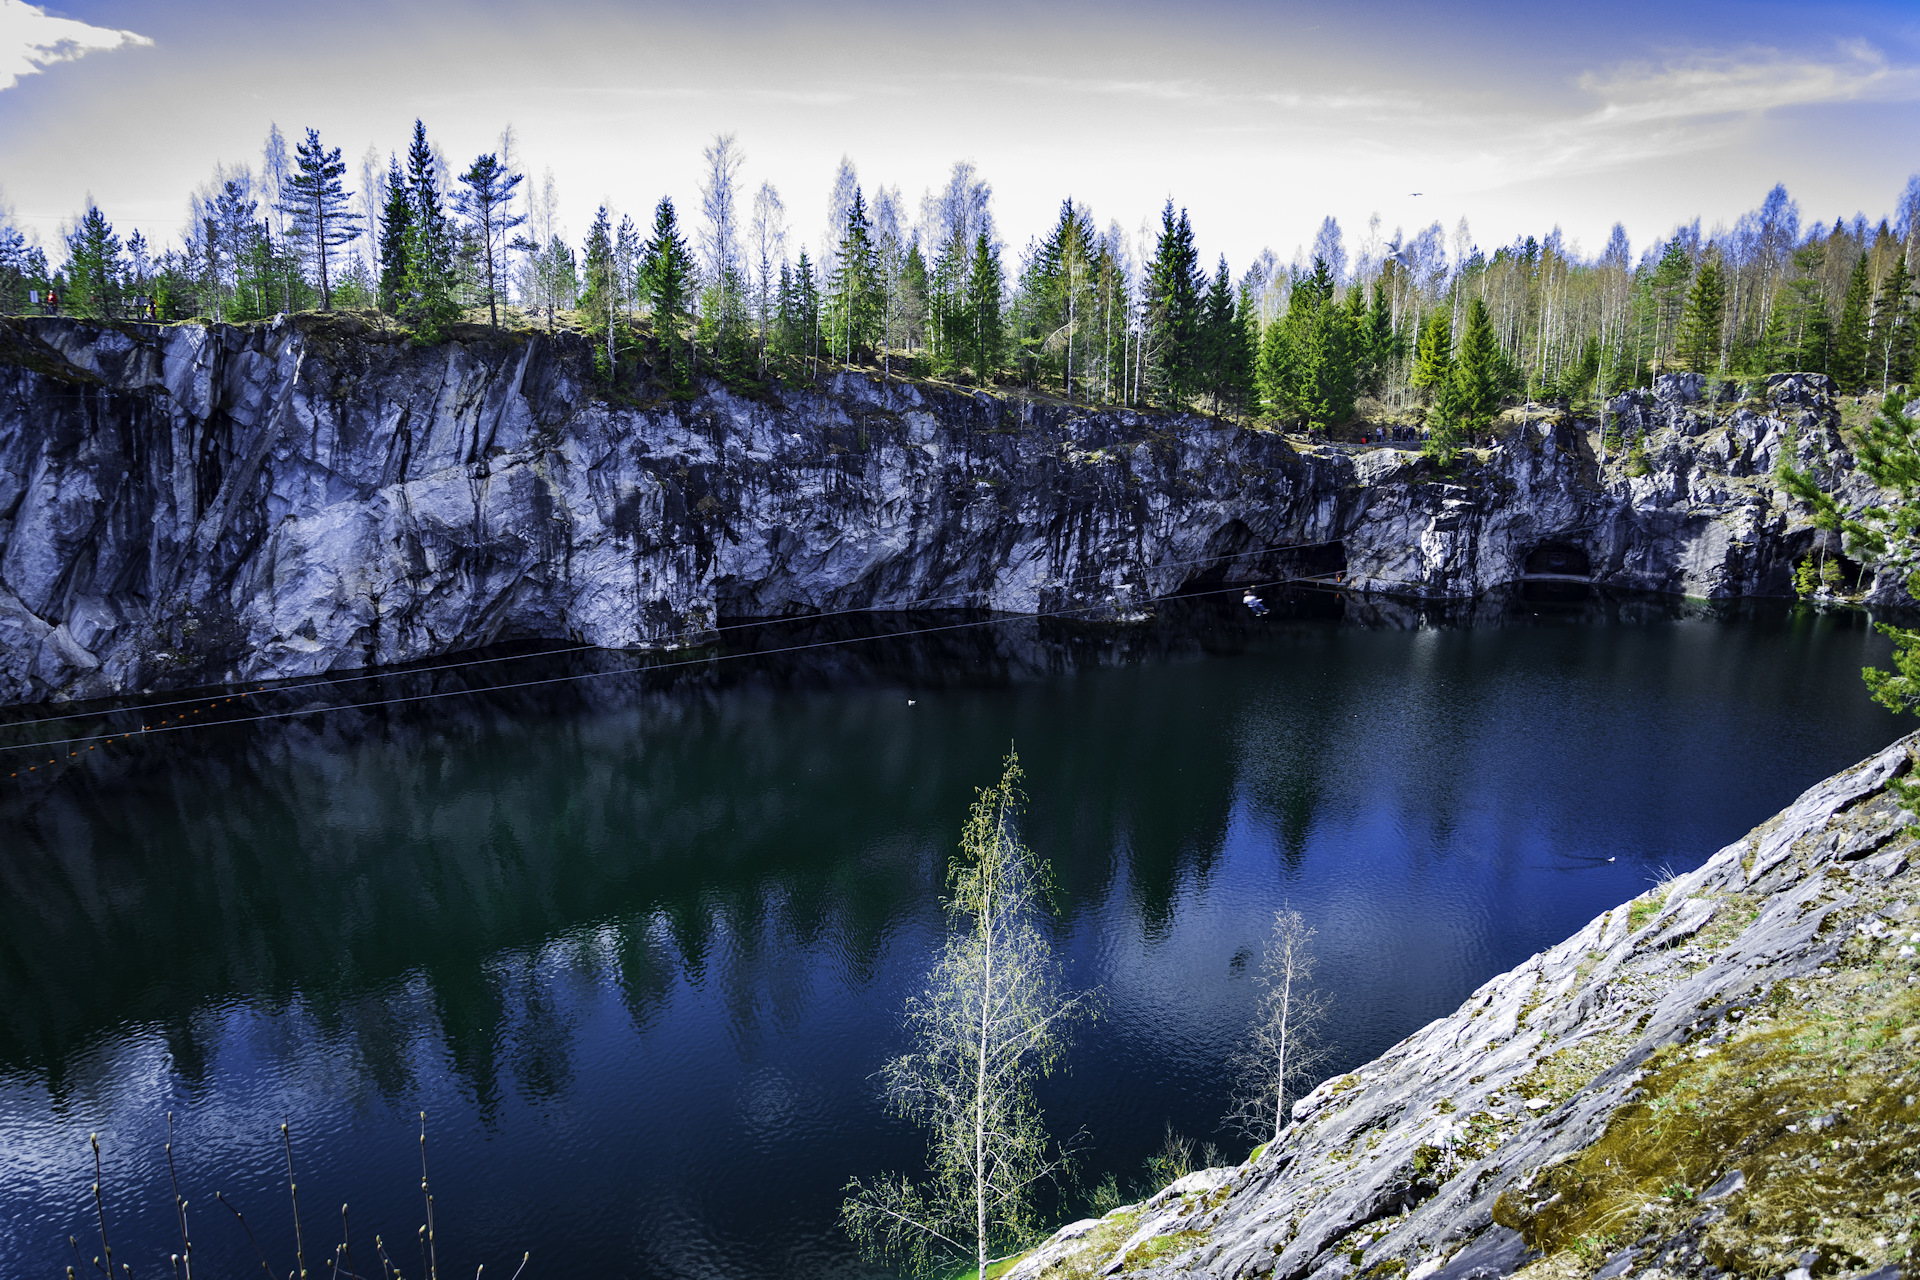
427	303
396	224
1273	367
1799	335
1310	359
1701	322
316	204
1380	341
600	298
1477	373
1433	356
94	267
669	280
1849	365
915	290
855	298
985	333
1224	341
1669	289
806	312
1172	306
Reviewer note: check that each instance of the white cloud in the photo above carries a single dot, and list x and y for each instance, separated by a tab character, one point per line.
31	40
1748	83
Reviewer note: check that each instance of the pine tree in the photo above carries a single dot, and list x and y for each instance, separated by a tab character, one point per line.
1893	326
1701	322
316	205
1850	339
396	225
94	267
669	275
487	201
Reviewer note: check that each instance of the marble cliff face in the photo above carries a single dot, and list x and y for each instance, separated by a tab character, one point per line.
187	505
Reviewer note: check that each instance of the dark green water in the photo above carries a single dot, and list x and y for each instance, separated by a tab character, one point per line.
637	943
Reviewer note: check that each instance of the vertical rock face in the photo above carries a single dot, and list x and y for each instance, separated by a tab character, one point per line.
186	505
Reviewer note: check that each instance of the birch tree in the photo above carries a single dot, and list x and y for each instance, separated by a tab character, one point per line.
990	1023
275	168
1283	1051
767	244
720	227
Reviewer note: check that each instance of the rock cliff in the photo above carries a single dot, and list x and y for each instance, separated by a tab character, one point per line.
1715	1079
187	505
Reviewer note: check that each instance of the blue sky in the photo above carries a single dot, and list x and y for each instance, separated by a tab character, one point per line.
1261	118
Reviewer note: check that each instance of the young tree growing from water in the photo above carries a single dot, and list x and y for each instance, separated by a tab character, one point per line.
990	1023
1283	1050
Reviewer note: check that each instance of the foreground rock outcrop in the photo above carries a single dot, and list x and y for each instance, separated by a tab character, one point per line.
1718	1078
187	505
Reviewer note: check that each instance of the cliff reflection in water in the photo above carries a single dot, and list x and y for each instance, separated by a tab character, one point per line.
358	911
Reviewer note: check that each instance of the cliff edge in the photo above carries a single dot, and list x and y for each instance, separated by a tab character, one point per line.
187	505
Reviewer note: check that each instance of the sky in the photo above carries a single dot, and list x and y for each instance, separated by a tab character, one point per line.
1260	118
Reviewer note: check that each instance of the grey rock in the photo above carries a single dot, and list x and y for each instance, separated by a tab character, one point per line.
1618	1265
1497	1253
188	505
1382	1166
1728	1185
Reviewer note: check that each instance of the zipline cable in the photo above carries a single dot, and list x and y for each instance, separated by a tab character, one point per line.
94	741
381	674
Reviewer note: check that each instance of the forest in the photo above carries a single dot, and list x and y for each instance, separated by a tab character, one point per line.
1426	329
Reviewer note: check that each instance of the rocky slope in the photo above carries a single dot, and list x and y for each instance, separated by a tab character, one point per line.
1716	1079
187	505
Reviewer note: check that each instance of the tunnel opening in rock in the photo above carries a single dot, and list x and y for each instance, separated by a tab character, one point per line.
1560	559
1825	570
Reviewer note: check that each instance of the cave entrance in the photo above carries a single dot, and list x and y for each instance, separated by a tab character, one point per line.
1557	560
1234	558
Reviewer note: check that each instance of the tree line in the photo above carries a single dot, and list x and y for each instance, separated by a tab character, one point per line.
1423	328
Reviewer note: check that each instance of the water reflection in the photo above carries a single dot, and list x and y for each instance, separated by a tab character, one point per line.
638	941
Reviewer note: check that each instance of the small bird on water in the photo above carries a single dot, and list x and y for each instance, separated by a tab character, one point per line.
909	701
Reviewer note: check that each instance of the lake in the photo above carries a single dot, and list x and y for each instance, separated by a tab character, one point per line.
635	934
